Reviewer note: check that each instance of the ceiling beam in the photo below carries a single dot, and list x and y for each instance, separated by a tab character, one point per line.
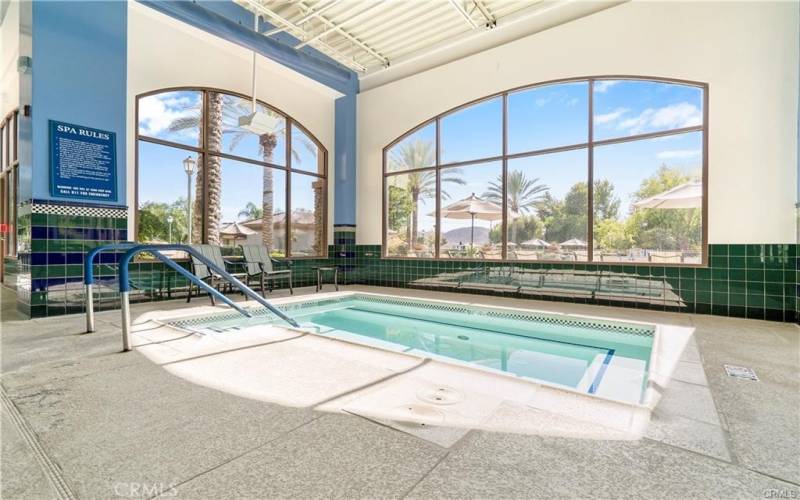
310	15
460	8
332	29
336	27
485	11
300	33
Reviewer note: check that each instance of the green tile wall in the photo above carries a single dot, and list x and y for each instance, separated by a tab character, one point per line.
749	281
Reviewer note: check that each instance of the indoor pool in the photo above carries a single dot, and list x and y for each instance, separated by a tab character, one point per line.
575	352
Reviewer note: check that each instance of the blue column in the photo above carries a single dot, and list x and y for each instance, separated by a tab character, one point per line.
344	206
79	76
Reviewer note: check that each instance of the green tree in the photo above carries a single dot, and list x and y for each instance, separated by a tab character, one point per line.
399	208
526	228
420	185
606	204
523	194
154	225
661	228
611	234
568	218
251	211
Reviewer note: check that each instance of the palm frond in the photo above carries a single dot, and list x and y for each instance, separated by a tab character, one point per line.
184	123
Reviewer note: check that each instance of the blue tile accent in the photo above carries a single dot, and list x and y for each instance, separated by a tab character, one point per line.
601	372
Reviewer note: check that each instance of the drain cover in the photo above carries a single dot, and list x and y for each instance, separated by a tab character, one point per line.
741	372
439	395
416	413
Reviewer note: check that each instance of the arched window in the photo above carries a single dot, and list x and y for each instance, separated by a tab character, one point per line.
202	178
512	176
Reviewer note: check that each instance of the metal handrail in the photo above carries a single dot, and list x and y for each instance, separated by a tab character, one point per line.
124	282
88	278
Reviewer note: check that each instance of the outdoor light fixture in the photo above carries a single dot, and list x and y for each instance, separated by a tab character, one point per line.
188	166
170	220
258	122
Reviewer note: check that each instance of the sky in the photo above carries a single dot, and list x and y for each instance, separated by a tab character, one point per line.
557	115
161	174
538	118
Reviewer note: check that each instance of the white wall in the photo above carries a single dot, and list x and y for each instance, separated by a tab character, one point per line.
746	52
163	52
9	51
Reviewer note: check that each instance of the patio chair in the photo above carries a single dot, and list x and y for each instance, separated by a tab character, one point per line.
665	256
493	253
611	257
199	269
258	265
526	254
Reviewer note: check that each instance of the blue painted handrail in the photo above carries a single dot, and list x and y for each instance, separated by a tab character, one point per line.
125	286
88	265
88	272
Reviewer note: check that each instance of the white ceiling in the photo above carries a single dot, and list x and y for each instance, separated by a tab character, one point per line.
384	40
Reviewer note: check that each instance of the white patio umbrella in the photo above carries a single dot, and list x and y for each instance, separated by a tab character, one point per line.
574	243
236	231
472	208
688	195
536	243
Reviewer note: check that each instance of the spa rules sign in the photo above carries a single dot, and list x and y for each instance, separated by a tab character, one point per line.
83	162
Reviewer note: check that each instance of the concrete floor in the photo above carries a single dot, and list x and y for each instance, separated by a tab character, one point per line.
82	419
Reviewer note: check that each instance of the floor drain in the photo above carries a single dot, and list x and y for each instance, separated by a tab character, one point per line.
439	395
741	372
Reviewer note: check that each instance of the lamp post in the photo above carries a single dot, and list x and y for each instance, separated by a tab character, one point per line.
188	167
170	220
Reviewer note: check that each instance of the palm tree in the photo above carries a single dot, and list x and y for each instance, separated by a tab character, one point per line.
523	195
420	185
251	211
224	111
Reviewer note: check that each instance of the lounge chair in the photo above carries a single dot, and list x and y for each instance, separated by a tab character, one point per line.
214	254
493	253
258	265
526	254
667	257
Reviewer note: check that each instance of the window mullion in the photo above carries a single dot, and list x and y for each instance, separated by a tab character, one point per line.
206	159
438	201
590	183
288	225
504	222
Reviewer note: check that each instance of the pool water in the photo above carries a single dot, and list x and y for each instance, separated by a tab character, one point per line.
578	353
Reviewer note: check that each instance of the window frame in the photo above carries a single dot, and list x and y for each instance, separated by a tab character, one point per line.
204	152
589	145
9	173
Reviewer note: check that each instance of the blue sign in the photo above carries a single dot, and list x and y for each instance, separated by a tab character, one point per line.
83	162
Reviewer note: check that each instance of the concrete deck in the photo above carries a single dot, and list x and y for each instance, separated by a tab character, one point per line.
82	419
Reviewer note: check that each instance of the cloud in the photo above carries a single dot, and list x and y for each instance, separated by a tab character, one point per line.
611	116
541	101
678	154
603	85
678	115
157	112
